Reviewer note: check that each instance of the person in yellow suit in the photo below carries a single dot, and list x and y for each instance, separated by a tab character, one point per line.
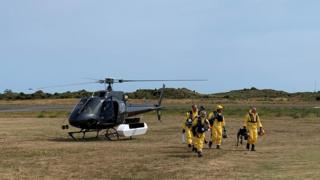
187	128
217	126
252	122
195	114
199	127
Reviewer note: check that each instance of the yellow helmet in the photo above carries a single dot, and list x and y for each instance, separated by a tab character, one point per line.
219	107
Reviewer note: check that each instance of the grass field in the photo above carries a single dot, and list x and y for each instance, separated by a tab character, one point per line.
33	147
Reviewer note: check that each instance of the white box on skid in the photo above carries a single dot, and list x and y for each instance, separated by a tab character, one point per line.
135	129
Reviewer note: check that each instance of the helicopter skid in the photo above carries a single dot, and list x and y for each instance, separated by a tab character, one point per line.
112	134
109	133
83	132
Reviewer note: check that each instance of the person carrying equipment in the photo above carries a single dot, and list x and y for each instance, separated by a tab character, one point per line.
195	114
199	127
251	123
217	125
187	128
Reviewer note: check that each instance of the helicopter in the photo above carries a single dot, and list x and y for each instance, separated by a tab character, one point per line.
109	114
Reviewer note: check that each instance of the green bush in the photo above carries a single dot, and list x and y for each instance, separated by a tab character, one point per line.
41	114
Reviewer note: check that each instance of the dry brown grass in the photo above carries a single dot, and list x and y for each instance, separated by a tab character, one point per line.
36	148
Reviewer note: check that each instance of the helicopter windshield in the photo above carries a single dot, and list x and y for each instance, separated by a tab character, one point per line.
91	106
80	105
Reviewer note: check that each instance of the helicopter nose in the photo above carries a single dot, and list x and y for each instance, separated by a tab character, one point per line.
83	121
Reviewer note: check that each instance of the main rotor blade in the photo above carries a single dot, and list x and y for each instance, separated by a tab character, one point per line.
161	80
112	81
67	85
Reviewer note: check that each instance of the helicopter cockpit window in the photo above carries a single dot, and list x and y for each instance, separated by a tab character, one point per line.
80	105
91	106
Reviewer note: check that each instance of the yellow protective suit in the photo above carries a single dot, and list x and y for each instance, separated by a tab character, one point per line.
217	127
198	124
252	122
195	114
188	130
187	127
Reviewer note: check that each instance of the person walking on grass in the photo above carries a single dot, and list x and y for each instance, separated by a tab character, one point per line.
252	123
200	126
187	128
217	126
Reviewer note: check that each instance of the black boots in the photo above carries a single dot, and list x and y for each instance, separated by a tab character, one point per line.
194	149
210	145
199	154
189	145
253	148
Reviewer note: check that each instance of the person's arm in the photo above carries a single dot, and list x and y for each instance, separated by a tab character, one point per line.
245	122
184	126
194	125
259	122
208	124
224	122
210	119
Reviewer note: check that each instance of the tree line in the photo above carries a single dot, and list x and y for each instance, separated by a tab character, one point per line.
173	93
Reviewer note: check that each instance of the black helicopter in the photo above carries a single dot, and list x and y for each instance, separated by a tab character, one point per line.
108	113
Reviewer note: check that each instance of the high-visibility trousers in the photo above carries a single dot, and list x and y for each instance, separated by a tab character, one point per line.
216	134
189	135
200	141
253	135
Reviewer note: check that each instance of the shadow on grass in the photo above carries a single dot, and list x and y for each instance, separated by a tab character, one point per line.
182	156
180	152
89	139
234	150
183	152
176	147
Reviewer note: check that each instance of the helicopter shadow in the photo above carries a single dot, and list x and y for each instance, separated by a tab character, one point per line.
90	139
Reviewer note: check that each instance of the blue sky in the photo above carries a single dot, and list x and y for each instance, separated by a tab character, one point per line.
234	44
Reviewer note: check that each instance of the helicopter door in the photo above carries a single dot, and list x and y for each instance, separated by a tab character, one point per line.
107	111
115	110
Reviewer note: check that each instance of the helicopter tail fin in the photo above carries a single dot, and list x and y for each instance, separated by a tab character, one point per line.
160	102
161	95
